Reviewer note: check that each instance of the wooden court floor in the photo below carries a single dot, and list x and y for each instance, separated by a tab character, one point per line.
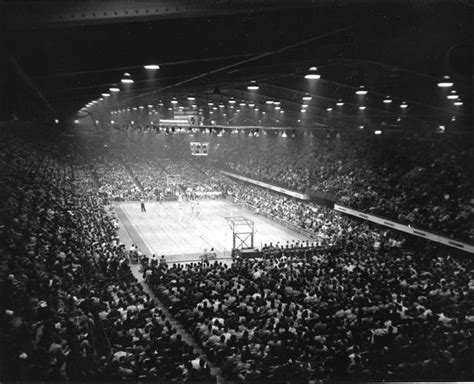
175	230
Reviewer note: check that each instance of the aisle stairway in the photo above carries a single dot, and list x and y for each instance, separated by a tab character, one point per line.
175	323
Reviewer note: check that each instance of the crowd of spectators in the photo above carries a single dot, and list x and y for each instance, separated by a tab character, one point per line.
364	309
358	314
422	182
70	306
115	180
329	226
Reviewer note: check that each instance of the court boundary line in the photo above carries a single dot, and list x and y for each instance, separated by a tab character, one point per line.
131	230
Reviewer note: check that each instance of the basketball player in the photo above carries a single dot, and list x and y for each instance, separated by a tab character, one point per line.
198	209
142	205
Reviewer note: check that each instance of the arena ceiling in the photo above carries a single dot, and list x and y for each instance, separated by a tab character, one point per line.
72	52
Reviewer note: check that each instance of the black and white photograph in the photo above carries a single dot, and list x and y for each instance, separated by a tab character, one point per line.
236	191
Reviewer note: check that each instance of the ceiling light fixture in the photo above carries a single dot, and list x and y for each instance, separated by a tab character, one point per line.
446	82
312	74
126	79
253	86
152	66
453	95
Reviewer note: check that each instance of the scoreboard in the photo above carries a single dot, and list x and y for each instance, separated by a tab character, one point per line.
199	148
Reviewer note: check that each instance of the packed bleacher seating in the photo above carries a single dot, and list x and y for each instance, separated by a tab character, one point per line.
374	306
354	315
327	225
70	307
423	182
115	181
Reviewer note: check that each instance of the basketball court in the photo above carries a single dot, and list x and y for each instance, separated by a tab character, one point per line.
183	233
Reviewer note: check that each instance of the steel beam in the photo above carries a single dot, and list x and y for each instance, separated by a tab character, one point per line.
51	14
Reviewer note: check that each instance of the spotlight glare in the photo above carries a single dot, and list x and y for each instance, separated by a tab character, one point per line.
446	82
152	66
126	79
312	74
253	86
453	95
